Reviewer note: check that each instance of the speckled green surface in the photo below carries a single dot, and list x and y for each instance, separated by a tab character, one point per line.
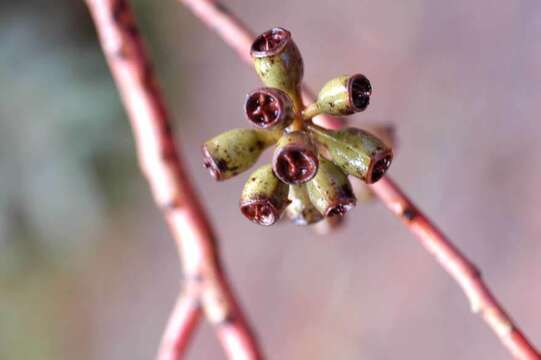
265	189
235	151
353	150
333	97
283	71
330	188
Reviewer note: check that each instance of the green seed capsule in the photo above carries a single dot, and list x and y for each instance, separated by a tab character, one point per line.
234	151
264	197
330	190
355	151
301	210
278	62
295	159
343	95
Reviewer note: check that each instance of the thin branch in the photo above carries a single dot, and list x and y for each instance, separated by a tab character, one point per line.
180	327
482	301
161	163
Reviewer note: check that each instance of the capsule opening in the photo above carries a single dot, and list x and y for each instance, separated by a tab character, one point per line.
296	165
345	201
263	108
340	209
380	168
270	42
215	168
360	91
260	212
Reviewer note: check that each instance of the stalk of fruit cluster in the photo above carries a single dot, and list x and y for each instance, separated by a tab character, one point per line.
207	287
482	301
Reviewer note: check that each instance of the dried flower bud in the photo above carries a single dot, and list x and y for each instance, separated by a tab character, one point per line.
355	151
264	197
330	190
343	95
295	158
277	60
269	108
234	151
301	210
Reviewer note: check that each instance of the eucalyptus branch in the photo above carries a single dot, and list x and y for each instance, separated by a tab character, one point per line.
206	284
180	327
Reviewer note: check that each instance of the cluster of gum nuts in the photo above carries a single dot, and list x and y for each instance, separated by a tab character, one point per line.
308	177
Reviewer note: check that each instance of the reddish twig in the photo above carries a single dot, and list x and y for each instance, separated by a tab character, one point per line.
206	284
481	300
234	33
181	324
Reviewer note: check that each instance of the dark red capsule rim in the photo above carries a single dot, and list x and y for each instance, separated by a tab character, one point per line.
215	168
382	163
340	207
282	104
271	42
359	90
260	211
291	157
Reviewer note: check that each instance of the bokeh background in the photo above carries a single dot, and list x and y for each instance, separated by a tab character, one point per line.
88	270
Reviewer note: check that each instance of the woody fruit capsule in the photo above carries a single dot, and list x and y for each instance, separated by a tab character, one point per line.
308	175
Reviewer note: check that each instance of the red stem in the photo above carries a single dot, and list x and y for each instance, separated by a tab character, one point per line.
206	284
482	301
180	327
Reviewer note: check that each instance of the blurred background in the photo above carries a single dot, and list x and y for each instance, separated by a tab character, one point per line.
89	271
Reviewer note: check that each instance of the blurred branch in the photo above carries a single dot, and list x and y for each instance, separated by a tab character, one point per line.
482	301
159	159
181	324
